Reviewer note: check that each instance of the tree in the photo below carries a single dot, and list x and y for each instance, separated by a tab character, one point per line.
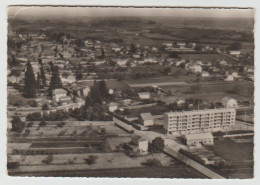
173	55
17	124
91	159
103	53
79	74
133	49
157	145
55	80
29	82
103	88
45	107
38	81
235	46
43	76
198	47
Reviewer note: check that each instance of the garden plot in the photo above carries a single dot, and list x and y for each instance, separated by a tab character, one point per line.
113	142
78	162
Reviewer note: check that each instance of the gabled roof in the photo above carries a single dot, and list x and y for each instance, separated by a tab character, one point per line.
59	91
198	136
146	116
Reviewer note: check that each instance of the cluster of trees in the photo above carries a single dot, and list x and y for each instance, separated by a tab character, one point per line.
94	108
52	116
31	84
157	145
17	124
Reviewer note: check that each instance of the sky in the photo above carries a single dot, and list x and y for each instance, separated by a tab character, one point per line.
45	12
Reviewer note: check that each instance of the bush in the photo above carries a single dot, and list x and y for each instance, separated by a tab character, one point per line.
30	124
27	132
35	116
60	124
42	124
17	124
18	103
152	162
48	160
157	145
62	133
13	165
91	159
33	103
45	107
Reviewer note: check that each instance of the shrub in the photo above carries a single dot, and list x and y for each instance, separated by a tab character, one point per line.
30	124
45	107
18	103
42	123
48	160
12	165
157	145
62	133
91	159
35	116
27	132
151	162
33	103
17	124
60	124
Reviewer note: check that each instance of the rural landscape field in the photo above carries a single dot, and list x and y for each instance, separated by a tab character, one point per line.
130	92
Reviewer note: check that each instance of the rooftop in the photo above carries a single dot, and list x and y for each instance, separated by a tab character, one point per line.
146	116
198	136
59	91
202	111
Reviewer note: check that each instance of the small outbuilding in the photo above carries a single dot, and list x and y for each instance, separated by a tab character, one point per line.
199	139
146	119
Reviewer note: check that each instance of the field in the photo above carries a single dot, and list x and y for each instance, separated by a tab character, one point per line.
154	110
47	152
207	58
240	155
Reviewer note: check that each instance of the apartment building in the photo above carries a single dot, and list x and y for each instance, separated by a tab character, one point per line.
197	121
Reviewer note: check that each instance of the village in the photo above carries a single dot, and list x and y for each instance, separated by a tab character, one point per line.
76	105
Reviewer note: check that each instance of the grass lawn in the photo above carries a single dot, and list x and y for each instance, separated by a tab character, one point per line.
240	155
154	110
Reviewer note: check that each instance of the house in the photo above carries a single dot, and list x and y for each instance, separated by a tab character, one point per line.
146	119
110	91
199	62
179	62
142	144
144	95
180	102
125	101
112	106
64	100
205	74
229	78
181	44
69	79
195	68
249	69
235	75
199	139
229	102
57	94
235	53
167	44
223	63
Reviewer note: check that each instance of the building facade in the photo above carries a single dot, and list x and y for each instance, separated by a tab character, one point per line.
199	139
199	121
